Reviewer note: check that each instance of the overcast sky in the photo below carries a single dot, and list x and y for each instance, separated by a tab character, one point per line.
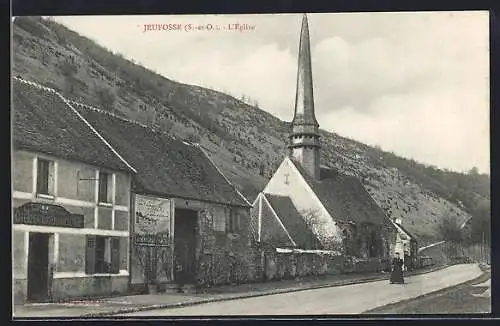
413	83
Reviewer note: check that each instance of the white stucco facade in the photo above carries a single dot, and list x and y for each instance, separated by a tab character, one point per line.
287	181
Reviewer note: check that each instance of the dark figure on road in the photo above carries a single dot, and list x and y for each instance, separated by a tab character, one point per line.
397	270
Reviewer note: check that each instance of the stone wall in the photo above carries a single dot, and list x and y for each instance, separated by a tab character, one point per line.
224	257
295	263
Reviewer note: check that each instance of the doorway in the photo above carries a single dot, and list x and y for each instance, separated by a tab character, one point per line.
38	267
185	226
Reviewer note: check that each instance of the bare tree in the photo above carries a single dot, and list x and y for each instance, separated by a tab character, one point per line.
322	238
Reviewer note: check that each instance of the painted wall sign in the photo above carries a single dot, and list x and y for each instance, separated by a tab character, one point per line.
47	215
152	219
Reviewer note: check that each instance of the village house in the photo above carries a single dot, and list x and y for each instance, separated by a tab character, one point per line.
308	206
71	203
190	225
105	205
406	245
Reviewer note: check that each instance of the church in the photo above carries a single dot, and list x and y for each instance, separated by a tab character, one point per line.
308	206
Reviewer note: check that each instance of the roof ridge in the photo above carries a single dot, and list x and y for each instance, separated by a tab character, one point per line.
93	108
35	84
90	107
66	101
67	106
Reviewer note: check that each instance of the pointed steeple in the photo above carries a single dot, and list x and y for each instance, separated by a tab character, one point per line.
304	98
304	138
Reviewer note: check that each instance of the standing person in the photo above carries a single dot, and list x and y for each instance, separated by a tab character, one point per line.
397	270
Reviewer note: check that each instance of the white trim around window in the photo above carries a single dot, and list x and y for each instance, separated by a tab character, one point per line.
56	249
44	196
122	208
54	190
113	188
102	204
66	201
54	229
22	195
96	193
82	274
34	175
26	250
73	202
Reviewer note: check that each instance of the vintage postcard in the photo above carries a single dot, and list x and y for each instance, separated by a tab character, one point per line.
301	164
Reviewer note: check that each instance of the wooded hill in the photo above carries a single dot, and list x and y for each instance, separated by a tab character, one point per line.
245	141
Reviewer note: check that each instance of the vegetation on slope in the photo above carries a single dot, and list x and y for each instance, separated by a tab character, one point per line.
245	141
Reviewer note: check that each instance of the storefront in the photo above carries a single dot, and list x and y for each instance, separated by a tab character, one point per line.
68	242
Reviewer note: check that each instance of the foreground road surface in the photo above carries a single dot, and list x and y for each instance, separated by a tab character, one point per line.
349	299
468	298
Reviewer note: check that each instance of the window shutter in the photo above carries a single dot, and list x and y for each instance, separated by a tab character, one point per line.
115	255
229	217
220	219
238	220
90	255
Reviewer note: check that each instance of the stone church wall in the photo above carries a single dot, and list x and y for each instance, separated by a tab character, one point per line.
297	264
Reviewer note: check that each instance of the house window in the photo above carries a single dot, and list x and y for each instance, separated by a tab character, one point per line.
102	255
104	187
233	225
45	177
219	219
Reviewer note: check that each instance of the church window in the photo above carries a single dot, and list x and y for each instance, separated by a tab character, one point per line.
286	178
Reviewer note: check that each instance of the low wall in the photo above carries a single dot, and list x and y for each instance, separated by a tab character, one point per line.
289	264
88	287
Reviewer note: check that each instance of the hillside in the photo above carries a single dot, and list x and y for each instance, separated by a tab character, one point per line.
246	142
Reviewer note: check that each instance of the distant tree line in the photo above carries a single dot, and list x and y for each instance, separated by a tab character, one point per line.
459	188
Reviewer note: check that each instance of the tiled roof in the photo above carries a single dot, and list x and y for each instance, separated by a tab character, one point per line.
165	166
345	198
43	123
293	221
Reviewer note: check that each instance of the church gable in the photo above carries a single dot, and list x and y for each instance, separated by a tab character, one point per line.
293	222
289	182
272	230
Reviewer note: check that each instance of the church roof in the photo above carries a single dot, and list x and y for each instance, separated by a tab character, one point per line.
410	235
293	221
43	123
344	197
165	166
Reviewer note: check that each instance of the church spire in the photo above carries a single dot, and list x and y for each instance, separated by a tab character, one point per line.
304	99
304	139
